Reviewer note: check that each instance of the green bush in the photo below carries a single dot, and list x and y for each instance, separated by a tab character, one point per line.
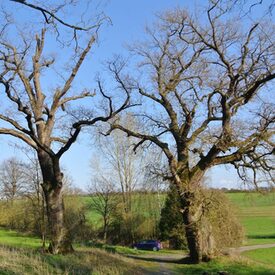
75	221
171	225
218	220
220	212
126	229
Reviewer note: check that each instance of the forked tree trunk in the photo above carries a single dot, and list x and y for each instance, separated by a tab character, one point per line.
52	187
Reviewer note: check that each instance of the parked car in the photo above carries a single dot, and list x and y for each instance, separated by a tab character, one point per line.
148	245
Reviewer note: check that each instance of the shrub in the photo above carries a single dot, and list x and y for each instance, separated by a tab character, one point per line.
170	226
220	212
75	220
217	220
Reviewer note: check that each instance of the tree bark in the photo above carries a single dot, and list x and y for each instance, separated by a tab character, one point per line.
200	241
52	188
192	232
193	238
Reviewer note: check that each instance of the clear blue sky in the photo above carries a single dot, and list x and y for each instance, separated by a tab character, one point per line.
129	19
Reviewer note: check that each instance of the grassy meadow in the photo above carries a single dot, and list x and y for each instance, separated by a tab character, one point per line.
19	252
12	238
257	214
93	261
263	256
255	211
14	261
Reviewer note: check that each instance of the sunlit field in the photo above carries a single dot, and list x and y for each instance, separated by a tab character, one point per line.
256	213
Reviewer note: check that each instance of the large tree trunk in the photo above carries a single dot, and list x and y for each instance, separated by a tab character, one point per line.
198	233
193	238
52	188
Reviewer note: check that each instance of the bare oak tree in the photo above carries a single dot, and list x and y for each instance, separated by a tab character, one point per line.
125	165
104	200
53	15
12	179
35	117
206	81
34	194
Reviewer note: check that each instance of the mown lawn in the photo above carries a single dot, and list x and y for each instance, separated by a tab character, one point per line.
14	239
257	214
265	256
232	267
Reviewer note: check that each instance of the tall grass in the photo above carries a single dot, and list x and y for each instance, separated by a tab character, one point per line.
20	261
13	261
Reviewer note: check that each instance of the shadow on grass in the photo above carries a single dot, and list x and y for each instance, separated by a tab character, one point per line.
161	259
261	236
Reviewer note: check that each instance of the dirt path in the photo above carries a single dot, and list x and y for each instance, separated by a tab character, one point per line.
160	263
163	262
251	247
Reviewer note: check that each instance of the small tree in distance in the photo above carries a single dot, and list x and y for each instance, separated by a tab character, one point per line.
12	179
104	201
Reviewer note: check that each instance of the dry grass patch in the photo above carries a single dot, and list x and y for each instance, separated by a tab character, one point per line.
94	261
13	261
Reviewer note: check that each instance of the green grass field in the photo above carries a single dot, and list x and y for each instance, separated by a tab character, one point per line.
95	261
14	239
231	266
264	256
255	211
257	214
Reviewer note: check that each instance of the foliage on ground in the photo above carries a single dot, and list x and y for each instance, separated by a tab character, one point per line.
226	228
255	211
141	222
170	223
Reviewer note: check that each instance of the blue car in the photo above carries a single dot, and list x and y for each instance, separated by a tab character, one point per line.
148	245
